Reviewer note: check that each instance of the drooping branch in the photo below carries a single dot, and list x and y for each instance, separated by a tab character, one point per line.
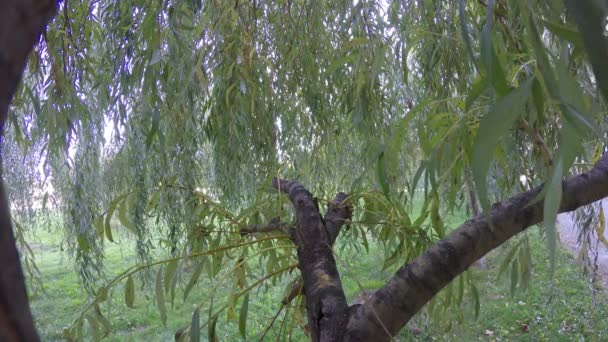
414	284
325	300
21	22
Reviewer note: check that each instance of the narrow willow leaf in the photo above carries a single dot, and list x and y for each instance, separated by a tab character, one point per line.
170	273
83	244
211	335
195	326
514	276
567	33
581	120
382	176
465	32
524	265
124	219
160	296
508	258
478	88
495	73
590	17
102	295
436	220
243	316
130	292
154	129
476	302
99	226
601	226
539	102
553	198
494	125
153	201
111	209
460	290
543	63
103	320
195	275
94	327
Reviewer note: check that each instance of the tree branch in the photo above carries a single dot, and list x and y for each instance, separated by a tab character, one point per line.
21	22
338	212
416	283
273	226
325	300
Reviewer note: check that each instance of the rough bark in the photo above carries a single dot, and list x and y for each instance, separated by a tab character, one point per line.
21	22
414	284
325	300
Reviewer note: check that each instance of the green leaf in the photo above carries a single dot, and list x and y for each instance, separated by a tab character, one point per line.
243	316
83	244
160	296
211	324
103	320
111	210
102	295
94	326
590	17
153	201
494	71
553	198
539	49
538	96
382	176
99	226
124	219
465	32
130	292
476	302
436	220
508	258
492	127
170	273
195	275
514	276
154	130
567	33
195	326
478	88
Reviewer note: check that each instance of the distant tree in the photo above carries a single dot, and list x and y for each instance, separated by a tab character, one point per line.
175	112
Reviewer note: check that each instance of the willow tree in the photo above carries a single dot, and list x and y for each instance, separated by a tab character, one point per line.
175	117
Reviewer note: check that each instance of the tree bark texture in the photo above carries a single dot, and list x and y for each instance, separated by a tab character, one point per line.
415	283
21	22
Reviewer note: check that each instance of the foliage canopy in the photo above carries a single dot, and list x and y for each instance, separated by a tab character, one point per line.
169	118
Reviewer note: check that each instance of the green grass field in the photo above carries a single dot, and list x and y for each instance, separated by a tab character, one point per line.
564	307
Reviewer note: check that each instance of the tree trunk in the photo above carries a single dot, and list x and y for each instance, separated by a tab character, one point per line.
21	22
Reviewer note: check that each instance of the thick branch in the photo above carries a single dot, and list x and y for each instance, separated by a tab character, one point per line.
325	301
338	211
414	284
21	22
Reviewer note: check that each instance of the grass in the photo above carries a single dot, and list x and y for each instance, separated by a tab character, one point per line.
556	308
